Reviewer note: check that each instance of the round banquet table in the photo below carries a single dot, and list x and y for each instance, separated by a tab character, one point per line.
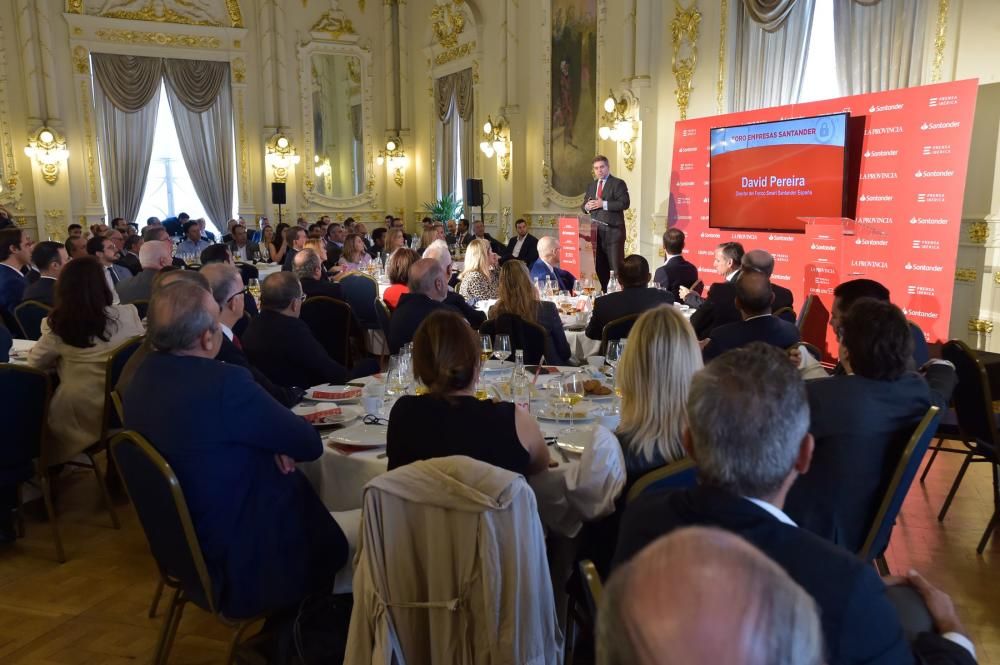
578	488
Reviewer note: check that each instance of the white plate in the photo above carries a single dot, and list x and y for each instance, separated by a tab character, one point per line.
326	387
580	414
360	435
348	412
576	441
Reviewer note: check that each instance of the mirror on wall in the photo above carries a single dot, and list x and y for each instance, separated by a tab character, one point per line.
338	125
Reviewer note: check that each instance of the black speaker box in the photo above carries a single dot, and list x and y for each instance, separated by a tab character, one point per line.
473	192
278	193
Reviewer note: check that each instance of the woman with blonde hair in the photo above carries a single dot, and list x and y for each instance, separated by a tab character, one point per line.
479	278
317	245
394	239
517	296
654	376
354	256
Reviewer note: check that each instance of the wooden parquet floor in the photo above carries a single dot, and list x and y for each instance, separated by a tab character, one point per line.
93	608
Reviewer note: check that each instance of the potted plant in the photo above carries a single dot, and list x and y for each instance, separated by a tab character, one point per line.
445	208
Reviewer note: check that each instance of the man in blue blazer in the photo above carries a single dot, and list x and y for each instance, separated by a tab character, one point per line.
634	298
676	271
753	300
748	433
15	253
547	265
267	538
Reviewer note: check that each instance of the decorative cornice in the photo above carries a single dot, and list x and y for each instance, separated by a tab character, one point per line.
158	38
979	232
980	326
235	14
966	274
334	24
455	53
448	23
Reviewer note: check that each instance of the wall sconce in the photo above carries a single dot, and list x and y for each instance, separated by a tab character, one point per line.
279	155
396	158
47	148
617	124
496	141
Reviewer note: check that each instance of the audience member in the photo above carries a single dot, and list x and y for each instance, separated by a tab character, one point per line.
105	252
397	269
738	606
353	256
154	256
397	223
518	297
76	247
845	294
753	300
205	235
748	422
676	271
719	306
479	231
74	231
446	360
308	267
480	275
267	538
464	234
79	335
277	247
547	265
523	246
377	249
282	346
428	289
861	422
760	261
634	298
335	237
295	240
15	254
394	240
241	248
49	257
440	252
193	244
129	255
217	253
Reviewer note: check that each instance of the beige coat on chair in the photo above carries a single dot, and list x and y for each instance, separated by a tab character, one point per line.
76	410
451	569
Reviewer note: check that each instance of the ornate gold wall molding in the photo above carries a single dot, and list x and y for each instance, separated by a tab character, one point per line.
74	6
235	14
684	34
996	278
979	232
980	326
239	70
966	274
81	60
448	23
720	84
939	39
631	232
158	38
334	24
157	13
89	146
456	53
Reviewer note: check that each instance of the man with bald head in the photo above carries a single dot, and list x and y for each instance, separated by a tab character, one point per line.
754	298
759	616
428	290
748	434
154	256
547	265
265	535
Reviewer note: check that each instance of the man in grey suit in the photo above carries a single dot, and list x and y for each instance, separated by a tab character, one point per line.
154	256
104	250
242	249
606	201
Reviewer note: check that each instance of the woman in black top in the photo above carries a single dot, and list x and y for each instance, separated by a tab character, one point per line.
449	420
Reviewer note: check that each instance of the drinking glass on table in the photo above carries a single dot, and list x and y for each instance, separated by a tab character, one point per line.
395	387
501	350
253	286
485	351
573	393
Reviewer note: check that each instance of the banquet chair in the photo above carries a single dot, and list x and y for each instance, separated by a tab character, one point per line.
880	530
24	408
616	329
698	286
29	315
360	291
581	612
10	322
329	320
159	502
812	321
592	588
383	313
785	313
524	335
977	422
677	475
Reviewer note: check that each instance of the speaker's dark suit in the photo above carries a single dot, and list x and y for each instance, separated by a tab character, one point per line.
609	248
675	273
768	329
229	353
413	308
284	349
529	249
861	427
859	623
719	307
267	538
613	306
43	291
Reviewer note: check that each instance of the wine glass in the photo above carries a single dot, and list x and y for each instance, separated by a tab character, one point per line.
253	286
485	348
572	394
501	350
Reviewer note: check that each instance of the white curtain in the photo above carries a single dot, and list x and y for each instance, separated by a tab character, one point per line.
880	44
127	96
771	44
453	97
201	102
446	158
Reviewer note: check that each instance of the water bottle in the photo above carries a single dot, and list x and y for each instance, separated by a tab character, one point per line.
520	387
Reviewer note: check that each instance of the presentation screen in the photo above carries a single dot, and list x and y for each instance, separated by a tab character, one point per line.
766	175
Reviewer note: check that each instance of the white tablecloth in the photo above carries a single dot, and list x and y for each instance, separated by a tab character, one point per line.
581	488
19	351
265	269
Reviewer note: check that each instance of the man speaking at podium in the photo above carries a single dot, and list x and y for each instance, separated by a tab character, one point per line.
606	201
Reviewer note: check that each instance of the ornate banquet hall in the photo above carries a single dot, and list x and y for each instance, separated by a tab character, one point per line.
432	331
